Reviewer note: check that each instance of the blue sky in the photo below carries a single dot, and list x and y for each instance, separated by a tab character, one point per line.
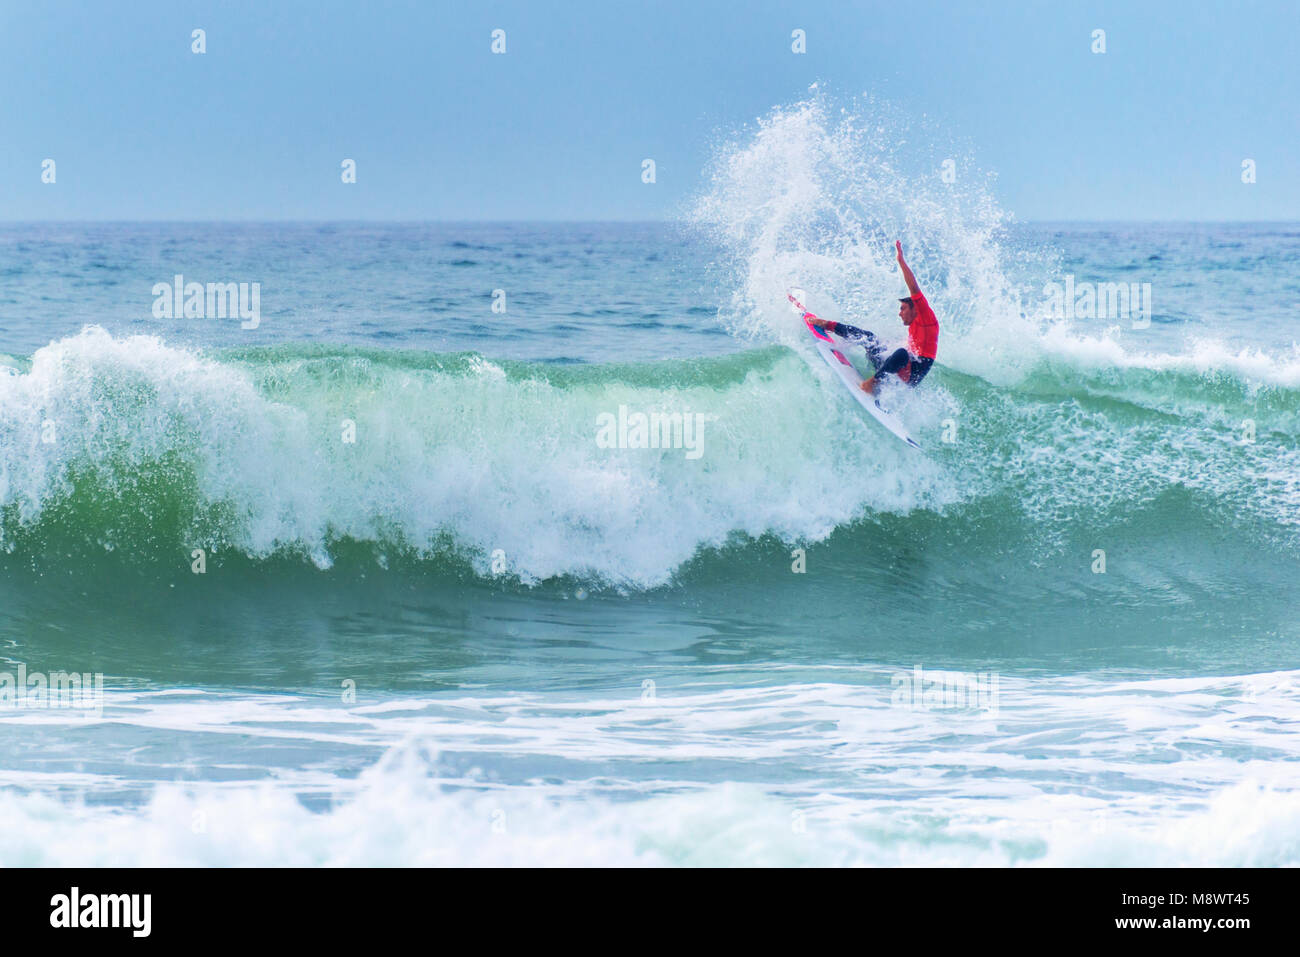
141	128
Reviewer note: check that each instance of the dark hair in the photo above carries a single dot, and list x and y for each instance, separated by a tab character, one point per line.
908	300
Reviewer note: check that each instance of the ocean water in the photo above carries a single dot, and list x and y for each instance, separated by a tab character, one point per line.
476	635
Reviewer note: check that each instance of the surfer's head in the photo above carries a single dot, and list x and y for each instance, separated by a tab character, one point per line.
906	311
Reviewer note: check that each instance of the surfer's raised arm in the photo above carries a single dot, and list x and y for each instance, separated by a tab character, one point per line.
912	287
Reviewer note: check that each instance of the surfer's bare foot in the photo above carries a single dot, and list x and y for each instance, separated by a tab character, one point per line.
868	385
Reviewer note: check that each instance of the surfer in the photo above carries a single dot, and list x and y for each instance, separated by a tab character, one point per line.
910	364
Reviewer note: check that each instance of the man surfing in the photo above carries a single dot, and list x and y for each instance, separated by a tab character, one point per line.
910	364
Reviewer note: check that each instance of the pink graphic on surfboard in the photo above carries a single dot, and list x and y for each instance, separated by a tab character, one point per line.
848	375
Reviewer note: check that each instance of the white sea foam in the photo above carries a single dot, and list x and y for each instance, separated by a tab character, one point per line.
1071	771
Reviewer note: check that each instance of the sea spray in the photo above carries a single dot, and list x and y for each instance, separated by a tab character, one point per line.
816	194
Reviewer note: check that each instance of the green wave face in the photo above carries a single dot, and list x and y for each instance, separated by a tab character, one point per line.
144	451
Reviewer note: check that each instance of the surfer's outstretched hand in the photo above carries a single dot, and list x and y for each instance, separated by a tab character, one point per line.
898	247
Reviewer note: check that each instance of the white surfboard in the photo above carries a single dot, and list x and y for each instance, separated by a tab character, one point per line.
846	373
